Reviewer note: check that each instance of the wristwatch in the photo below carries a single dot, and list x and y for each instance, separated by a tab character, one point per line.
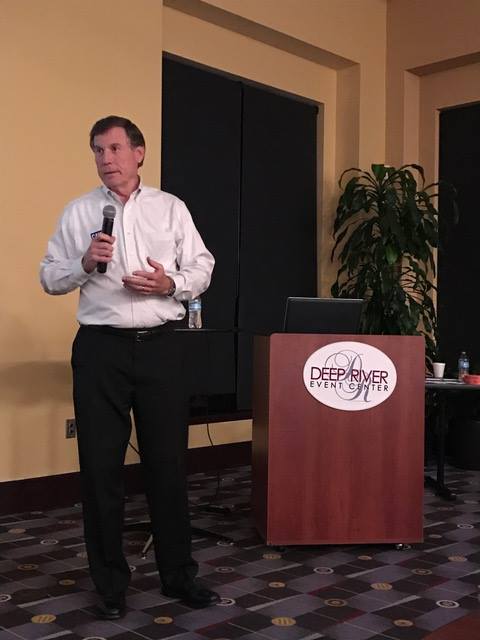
173	288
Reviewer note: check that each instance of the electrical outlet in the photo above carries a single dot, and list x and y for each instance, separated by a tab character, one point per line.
70	428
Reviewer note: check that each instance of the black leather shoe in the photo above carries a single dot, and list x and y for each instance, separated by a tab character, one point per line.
110	610
193	595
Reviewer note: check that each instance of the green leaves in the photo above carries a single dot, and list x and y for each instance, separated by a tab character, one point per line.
391	254
379	171
385	231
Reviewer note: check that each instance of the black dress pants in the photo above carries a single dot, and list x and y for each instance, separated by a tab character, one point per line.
116	371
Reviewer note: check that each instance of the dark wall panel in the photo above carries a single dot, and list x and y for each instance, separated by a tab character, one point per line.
244	160
201	165
457	261
278	215
278	211
201	121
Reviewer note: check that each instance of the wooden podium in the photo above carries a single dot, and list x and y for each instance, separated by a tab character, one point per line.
323	475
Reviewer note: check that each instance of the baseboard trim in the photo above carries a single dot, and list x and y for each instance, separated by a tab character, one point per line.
54	492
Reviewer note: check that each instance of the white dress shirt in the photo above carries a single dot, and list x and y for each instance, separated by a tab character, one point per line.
152	224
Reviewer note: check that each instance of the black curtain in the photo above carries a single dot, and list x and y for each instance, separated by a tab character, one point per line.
201	135
457	261
278	219
244	160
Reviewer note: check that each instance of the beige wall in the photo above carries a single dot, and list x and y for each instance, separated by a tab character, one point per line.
433	47
352	30
66	63
433	56
63	65
444	89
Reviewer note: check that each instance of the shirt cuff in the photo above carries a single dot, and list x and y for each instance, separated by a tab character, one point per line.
79	275
178	281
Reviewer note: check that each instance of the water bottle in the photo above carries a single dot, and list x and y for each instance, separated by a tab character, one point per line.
195	314
463	365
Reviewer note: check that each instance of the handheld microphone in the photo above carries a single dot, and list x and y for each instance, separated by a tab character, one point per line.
109	213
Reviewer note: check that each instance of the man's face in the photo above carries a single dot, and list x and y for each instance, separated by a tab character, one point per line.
117	161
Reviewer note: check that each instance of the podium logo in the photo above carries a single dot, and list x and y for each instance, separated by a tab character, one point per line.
351	376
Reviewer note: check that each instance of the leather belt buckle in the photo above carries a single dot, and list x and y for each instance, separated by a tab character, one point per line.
142	334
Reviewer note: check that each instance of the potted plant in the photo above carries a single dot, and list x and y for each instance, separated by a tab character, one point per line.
386	230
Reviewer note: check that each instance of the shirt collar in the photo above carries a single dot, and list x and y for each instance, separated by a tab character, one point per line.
111	194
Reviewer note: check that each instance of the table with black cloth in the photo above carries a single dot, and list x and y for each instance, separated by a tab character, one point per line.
440	391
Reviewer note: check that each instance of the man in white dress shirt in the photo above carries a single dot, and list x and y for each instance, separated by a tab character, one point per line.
126	358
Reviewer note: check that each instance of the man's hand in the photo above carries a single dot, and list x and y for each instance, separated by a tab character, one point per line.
149	282
100	250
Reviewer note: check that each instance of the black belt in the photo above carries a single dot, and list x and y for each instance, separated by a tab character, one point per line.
138	335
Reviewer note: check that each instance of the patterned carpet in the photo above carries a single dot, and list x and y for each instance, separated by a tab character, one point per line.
347	593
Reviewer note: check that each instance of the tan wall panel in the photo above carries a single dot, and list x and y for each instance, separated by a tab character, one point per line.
220	433
422	32
439	91
422	39
63	64
349	28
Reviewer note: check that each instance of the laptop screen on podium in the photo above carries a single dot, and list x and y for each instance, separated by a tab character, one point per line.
322	315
